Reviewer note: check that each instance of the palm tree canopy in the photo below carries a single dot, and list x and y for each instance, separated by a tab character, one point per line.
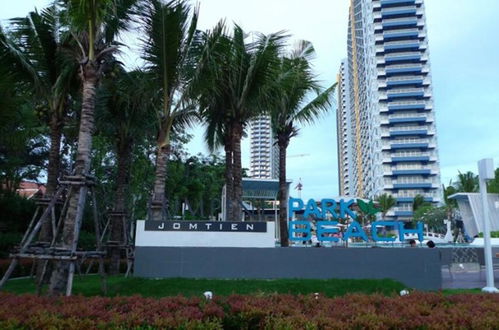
234	76
96	24
467	182
170	31
294	81
386	202
127	101
35	52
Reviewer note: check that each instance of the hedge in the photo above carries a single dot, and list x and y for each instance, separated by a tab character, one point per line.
414	311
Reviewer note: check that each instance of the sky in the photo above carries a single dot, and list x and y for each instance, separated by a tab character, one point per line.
464	57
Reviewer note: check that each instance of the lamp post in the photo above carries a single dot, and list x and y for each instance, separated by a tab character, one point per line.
486	172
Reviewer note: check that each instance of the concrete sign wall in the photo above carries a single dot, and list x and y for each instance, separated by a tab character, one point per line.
416	268
204	234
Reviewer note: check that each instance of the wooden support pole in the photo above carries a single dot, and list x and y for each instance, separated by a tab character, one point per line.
9	271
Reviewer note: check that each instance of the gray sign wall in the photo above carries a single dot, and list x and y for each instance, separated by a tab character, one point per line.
416	268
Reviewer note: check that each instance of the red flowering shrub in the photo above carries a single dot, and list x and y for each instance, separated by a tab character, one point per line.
415	311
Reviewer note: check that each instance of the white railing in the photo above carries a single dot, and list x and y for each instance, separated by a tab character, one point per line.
400	42
403	66
400	19
397	55
407	102
403	78
404	90
390	32
389	10
406	115
410	154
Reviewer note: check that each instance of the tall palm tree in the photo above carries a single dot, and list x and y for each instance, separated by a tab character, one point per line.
94	24
289	107
170	36
240	72
467	182
35	53
386	202
127	118
418	202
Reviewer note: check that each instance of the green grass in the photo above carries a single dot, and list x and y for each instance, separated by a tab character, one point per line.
121	286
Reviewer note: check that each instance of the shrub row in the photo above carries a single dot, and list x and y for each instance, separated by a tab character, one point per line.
414	311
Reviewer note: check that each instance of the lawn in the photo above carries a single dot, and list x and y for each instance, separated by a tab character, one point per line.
120	286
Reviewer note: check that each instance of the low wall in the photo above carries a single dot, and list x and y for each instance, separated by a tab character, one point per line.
416	268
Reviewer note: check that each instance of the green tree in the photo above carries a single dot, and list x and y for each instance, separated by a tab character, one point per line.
386	202
419	201
94	24
432	216
36	53
237	74
467	182
126	118
289	107
170	36
493	185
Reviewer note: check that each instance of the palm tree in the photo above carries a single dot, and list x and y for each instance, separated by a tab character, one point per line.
94	24
467	182
386	202
419	201
35	53
288	108
239	73
126	118
170	36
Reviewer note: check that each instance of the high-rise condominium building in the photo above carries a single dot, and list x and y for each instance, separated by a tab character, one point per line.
344	131
264	162
386	124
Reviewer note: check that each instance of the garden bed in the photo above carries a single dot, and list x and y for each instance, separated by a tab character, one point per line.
413	311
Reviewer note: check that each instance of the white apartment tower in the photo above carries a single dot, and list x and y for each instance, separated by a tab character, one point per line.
386	122
344	133
264	153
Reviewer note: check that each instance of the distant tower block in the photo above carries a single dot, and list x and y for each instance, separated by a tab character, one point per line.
264	152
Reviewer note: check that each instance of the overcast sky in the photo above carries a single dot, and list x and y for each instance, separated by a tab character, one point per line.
464	55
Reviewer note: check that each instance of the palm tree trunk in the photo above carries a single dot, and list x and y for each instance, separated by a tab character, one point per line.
52	176
229	180
120	212
58	281
237	173
158	201
283	193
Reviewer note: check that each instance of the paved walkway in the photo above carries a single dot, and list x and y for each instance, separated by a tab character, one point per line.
466	276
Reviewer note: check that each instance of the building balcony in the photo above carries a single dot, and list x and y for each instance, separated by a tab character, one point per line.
412	69
409	159
398	46
421	106
391	3
403	213
423	172
406	23
413	132
418	185
406	34
404	120
413	58
411	199
419	146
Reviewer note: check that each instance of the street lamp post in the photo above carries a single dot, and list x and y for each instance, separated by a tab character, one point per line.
486	172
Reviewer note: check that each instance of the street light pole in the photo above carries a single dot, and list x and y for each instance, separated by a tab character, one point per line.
486	172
